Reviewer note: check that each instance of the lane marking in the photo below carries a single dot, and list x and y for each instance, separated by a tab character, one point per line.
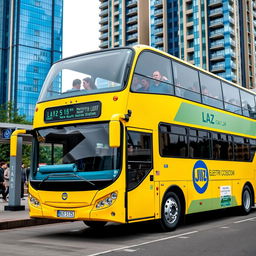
224	227
144	243
184	237
129	250
240	221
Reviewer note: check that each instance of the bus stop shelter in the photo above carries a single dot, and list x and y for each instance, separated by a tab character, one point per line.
6	130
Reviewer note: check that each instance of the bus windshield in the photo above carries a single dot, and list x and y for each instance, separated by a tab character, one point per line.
88	74
80	150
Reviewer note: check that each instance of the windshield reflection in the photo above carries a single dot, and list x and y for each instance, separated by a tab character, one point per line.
77	149
88	74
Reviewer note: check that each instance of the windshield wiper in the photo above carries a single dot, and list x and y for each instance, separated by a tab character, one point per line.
65	175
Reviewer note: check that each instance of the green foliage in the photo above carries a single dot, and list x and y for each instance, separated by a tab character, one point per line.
9	114
26	153
5	152
45	154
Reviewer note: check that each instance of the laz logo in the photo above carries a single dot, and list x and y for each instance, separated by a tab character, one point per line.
208	118
200	176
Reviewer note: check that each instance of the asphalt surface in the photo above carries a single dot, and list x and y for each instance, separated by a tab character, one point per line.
16	219
215	233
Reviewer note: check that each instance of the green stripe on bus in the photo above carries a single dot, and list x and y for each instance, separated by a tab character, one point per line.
209	204
192	114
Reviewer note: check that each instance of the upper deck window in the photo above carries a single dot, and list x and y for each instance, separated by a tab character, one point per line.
186	81
153	74
231	98
248	104
211	91
88	74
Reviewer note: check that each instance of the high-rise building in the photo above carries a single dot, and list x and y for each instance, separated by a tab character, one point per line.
30	41
217	35
123	23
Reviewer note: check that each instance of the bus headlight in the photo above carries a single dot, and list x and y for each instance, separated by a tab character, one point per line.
34	201
106	201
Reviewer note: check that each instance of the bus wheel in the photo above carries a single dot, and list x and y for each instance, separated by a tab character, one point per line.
246	201
95	224
171	212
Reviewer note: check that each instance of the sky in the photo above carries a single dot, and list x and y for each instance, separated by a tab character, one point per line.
80	26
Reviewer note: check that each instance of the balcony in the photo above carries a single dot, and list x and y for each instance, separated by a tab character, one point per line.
217	45
132	20
104	21
218	67
215	13
104	28
133	28
159	31
158	12
233	66
216	23
159	3
132	12
215	3
158	22
104	5
131	3
231	9
103	36
132	37
218	56
159	41
104	13
190	49
217	34
104	44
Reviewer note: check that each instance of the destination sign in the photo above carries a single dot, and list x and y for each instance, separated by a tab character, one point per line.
73	112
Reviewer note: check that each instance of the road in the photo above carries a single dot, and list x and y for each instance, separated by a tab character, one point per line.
216	233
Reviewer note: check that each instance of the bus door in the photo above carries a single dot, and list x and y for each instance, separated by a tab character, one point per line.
139	175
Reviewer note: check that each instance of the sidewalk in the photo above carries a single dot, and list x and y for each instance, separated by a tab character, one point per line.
16	219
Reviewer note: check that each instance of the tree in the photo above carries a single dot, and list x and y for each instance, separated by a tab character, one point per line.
9	114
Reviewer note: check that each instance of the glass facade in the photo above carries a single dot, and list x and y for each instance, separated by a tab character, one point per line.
173	27
36	26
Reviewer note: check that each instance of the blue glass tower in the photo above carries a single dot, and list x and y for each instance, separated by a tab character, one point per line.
30	42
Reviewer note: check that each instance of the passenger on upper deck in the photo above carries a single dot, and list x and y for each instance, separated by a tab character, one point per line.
88	84
158	86
76	85
136	85
145	85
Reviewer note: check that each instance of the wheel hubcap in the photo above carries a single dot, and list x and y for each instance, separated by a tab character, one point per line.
246	200
171	210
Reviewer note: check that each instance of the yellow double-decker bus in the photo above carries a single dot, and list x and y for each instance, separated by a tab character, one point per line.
134	134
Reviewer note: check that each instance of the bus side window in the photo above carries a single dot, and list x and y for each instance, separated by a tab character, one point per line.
211	91
187	86
139	157
248	103
147	66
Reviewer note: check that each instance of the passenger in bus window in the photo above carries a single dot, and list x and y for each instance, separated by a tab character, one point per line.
76	85
136	85
145	85
158	86
88	84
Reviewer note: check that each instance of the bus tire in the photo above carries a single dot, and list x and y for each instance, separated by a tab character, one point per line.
95	224
246	201
171	212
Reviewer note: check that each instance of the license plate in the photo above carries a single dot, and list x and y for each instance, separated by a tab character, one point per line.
66	214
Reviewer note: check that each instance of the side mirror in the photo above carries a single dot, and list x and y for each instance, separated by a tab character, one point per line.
114	134
14	141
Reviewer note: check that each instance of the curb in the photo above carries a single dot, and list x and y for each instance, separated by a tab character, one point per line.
9	224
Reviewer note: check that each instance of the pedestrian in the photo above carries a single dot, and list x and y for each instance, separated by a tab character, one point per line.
3	166
6	180
23	180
